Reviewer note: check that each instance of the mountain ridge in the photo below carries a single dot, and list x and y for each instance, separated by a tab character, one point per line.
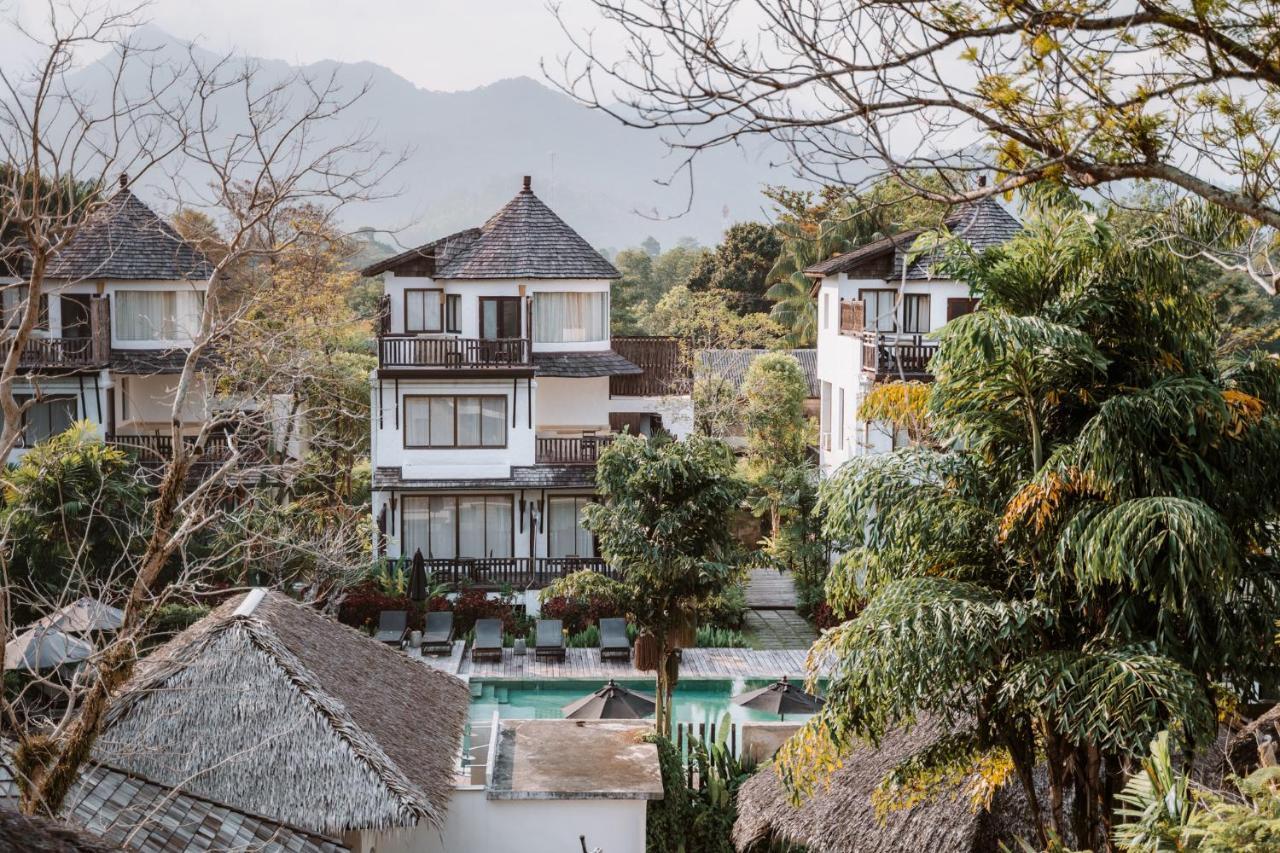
468	150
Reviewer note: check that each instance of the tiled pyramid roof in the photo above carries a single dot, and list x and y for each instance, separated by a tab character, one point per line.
982	224
125	239
525	239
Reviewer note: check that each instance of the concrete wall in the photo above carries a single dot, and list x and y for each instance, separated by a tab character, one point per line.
475	824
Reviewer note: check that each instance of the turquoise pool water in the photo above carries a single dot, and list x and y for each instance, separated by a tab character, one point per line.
695	701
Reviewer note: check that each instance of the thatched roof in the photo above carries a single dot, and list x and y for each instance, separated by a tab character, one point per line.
840	817
21	833
272	708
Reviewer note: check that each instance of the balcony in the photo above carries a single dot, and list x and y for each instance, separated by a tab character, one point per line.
888	356
400	352
40	354
153	452
584	450
517	572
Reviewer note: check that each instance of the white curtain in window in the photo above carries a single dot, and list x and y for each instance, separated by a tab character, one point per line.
415	513
570	317
493	428
468	421
881	309
498	527
915	313
417	421
471	527
443	512
441	422
422	311
566	537
158	315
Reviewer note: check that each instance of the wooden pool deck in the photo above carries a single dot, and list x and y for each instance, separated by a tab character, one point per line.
585	664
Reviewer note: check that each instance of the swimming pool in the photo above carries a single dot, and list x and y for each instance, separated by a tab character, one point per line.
695	701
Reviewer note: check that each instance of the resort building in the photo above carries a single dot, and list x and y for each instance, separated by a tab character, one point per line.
498	384
876	312
121	306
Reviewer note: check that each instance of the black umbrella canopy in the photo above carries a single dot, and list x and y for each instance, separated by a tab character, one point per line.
611	702
781	697
418	577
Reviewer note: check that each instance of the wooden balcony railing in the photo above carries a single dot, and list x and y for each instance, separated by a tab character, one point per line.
397	351
518	572
573	450
61	353
887	355
154	451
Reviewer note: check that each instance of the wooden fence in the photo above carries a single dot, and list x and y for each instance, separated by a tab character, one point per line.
665	362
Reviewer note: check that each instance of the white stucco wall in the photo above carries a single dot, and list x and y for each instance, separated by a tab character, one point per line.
144	402
572	404
475	824
388	448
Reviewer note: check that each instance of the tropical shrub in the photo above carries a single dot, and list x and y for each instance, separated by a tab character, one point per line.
709	637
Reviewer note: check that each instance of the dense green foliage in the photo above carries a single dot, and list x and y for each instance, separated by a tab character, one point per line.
739	266
773	397
663	524
73	509
647	274
697	818
1097	553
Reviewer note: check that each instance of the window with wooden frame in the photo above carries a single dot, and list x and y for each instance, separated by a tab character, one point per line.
448	527
454	420
453	312
566	535
422	310
915	313
881	309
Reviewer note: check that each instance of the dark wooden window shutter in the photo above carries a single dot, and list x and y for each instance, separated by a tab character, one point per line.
958	307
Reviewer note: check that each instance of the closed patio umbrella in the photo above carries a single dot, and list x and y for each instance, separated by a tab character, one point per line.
83	616
611	702
781	698
418	577
42	648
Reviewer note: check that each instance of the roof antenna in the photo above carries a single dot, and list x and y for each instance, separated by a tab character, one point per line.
124	180
528	184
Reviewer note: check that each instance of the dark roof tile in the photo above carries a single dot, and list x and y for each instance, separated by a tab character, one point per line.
584	364
124	239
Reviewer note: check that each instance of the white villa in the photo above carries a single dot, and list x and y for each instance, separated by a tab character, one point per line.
121	307
867	335
497	386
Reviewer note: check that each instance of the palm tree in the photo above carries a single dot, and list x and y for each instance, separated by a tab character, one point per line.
1088	553
848	225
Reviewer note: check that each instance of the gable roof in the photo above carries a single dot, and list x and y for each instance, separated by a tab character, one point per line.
983	224
732	365
125	239
525	239
270	707
131	813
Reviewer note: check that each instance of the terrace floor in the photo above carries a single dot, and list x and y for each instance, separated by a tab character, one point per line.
772	621
585	664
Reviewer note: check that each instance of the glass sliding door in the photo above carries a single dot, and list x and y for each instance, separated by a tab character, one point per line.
499	317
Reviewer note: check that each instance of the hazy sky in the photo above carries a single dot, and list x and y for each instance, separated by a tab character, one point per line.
436	44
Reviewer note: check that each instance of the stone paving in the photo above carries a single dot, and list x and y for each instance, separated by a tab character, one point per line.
772	621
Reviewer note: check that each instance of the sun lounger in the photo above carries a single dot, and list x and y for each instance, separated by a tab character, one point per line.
393	625
437	639
614	644
488	642
550	640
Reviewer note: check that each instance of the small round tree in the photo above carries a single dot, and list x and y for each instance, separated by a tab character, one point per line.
663	524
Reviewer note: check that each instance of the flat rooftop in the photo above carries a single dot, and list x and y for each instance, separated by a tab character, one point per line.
575	760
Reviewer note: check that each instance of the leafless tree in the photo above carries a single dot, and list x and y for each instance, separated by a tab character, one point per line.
1096	95
222	143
